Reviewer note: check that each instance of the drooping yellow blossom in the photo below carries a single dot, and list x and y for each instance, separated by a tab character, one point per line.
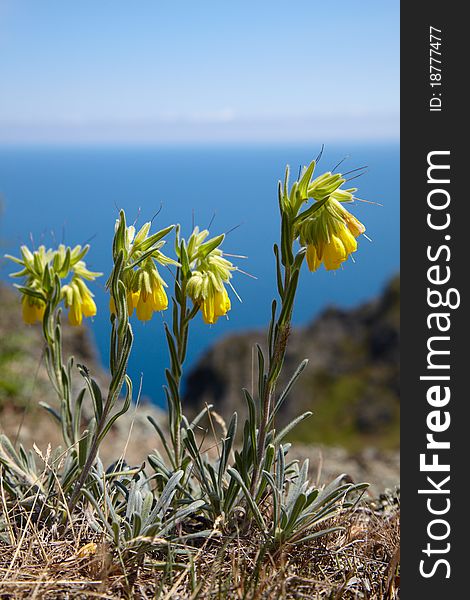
216	305
33	310
353	224
148	303
145	288
79	301
207	290
132	300
209	293
210	273
330	235
150	295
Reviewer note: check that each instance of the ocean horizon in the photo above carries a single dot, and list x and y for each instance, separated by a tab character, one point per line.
53	194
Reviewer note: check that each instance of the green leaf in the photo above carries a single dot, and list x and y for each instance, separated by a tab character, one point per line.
251	423
94	391
184	260
249	498
124	409
307	214
64	269
280	284
205	411
119	236
288	388
181	515
175	363
154	238
261	378
31	292
289	297
51	411
83	444
305	180
276	500
212	244
282	434
113	531
299	504
167	494
227	447
286	241
162	437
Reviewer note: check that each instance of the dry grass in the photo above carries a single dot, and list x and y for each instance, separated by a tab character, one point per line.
362	561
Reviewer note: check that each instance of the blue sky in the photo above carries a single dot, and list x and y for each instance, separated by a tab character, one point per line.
154	71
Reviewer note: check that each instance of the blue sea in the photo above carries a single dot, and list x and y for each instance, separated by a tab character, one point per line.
72	195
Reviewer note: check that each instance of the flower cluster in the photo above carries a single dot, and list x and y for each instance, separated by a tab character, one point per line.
144	285
210	272
326	228
330	235
45	272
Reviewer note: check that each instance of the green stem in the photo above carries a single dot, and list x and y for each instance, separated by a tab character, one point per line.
122	334
180	337
282	329
56	369
93	449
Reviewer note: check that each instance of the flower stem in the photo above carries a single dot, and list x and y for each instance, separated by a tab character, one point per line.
281	327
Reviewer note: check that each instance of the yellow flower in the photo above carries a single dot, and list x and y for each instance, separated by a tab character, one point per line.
79	301
160	299
33	310
210	273
313	260
209	293
145	292
88	306
132	300
216	305
75	314
354	225
151	301
334	253
330	236
45	271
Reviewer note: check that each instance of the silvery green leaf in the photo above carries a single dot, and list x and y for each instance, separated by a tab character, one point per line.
146	506
291	426
167	494
181	515
288	388
227	447
51	411
249	498
200	415
209	246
